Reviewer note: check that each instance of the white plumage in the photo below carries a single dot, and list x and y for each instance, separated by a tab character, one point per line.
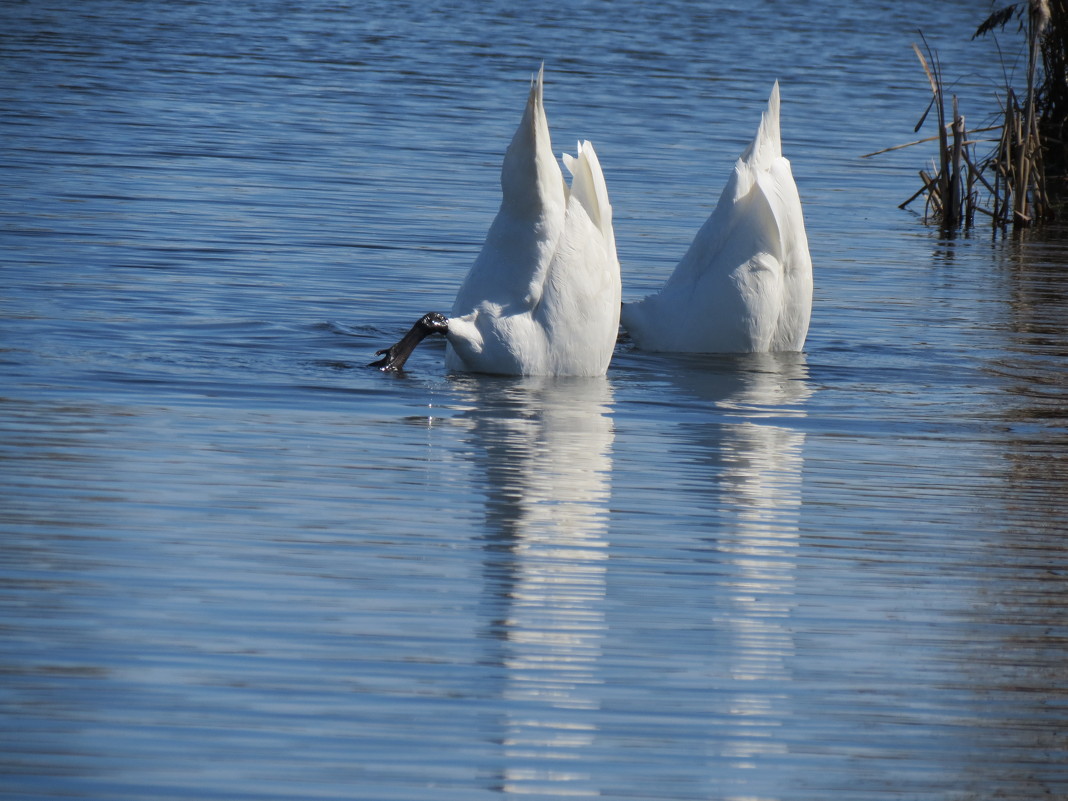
543	296
745	284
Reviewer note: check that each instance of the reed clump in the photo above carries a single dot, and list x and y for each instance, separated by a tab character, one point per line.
1020	179
1052	100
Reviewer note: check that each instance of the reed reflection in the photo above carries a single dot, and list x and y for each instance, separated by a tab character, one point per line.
544	446
1015	655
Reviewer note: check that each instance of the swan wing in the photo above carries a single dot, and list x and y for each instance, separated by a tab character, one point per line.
588	188
745	283
543	295
724	293
580	309
796	262
487	332
773	171
510	270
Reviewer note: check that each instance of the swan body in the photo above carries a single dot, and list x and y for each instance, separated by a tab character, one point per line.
543	295
745	284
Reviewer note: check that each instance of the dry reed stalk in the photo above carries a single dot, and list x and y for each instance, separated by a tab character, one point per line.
952	217
1016	186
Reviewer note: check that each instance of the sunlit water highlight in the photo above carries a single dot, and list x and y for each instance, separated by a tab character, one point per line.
234	563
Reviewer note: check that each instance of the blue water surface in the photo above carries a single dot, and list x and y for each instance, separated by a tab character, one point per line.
237	564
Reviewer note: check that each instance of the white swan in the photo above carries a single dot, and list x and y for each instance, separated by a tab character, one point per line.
745	284
543	296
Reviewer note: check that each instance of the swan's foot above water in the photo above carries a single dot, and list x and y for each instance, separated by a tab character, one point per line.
390	361
394	357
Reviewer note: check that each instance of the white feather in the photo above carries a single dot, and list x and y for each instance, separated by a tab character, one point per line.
543	296
745	284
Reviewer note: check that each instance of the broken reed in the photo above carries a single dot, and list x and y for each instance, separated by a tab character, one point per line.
1009	185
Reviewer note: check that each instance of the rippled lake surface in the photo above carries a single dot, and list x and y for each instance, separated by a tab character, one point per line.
236	563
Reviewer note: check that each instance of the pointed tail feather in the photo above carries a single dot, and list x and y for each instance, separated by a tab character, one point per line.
529	167
767	144
588	187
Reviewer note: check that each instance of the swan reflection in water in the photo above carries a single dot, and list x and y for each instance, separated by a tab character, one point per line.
545	449
756	457
720	654
545	456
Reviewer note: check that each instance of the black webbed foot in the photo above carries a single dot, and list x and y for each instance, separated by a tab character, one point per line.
394	357
389	361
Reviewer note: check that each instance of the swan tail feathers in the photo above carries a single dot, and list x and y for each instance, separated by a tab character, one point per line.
766	146
588	187
529	174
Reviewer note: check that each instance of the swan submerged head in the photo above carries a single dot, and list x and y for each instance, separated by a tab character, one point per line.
394	357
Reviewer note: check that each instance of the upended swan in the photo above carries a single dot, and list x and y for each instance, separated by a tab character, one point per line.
543	295
745	284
